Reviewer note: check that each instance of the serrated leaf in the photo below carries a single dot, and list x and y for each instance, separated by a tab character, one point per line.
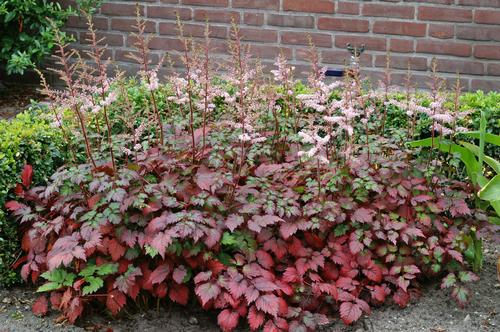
268	303
234	221
228	320
41	306
49	286
449	281
467	276
115	301
363	215
461	294
207	291
350	312
94	285
107	268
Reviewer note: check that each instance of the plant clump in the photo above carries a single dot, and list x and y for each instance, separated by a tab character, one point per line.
280	204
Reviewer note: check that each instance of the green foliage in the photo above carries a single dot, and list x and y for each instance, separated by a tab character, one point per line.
474	159
28	138
489	104
56	279
27	30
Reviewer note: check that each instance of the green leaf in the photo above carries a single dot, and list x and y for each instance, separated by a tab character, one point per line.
449	280
60	276
461	294
228	239
108	268
93	286
488	137
88	271
482	134
225	259
341	229
466	276
471	165
494	220
490	161
496	206
49	286
491	191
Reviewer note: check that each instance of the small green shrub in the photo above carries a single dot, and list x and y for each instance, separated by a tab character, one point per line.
29	138
28	27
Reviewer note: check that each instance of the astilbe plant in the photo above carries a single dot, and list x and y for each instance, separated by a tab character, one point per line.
277	210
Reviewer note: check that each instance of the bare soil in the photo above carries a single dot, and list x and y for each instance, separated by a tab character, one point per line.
14	98
435	311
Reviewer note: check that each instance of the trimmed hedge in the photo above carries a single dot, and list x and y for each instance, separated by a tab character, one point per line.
28	138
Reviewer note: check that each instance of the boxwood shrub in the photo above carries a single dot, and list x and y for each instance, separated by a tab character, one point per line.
27	139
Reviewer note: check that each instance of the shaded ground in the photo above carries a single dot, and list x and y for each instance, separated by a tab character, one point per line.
435	311
16	97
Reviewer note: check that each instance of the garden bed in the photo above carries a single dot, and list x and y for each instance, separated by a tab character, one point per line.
435	311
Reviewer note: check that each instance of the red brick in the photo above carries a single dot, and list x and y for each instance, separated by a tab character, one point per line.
401	45
478	33
159	43
451	82
221	16
444	14
372	76
120	9
371	43
442	31
487	16
344	7
343	24
193	30
123	55
253	18
81	22
301	38
441	2
482	3
487	51
494	69
84	50
257	4
311	6
485	85
343	57
401	62
260	35
110	39
418	80
270	52
219	46
440	47
169	12
128	24
290	21
386	10
462	67
213	3
400	28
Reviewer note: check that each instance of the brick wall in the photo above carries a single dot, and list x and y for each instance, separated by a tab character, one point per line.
463	35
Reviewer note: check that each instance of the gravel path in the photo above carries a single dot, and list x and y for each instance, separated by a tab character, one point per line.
435	311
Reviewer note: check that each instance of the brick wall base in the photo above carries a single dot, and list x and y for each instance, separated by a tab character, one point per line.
463	35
